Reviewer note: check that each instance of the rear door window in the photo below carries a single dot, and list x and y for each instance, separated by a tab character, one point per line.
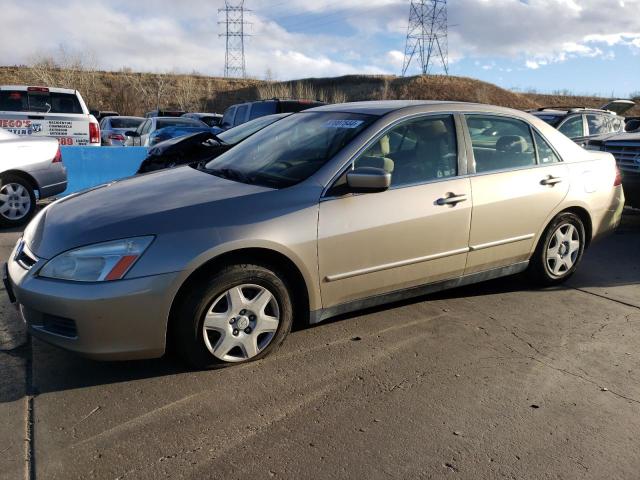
500	143
573	127
42	102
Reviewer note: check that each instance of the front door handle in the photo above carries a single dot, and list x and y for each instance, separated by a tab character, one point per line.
451	199
550	180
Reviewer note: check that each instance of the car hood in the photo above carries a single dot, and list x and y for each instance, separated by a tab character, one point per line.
179	199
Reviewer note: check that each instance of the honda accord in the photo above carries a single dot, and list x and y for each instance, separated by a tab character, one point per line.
326	211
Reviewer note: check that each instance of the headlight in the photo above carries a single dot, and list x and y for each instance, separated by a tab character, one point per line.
97	263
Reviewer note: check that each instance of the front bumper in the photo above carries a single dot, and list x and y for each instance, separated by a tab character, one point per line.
119	320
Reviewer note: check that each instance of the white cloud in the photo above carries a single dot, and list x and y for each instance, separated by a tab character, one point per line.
329	37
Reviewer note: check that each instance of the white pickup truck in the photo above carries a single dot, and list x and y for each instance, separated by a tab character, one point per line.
48	112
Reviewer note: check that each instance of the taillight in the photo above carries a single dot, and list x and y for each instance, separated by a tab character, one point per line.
618	180
116	136
94	133
58	157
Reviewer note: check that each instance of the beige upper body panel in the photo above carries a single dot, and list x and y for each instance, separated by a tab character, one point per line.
376	243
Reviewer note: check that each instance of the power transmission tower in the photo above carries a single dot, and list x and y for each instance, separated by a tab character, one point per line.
234	63
427	35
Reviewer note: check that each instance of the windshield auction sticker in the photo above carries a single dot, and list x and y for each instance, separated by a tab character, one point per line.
343	123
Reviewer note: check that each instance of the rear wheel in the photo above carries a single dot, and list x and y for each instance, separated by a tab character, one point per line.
240	314
17	200
559	250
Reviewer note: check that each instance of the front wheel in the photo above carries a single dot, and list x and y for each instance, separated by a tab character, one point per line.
17	201
240	314
559	250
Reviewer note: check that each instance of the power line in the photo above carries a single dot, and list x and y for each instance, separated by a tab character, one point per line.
234	61
427	35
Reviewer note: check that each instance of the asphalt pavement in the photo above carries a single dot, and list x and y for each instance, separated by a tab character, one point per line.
496	380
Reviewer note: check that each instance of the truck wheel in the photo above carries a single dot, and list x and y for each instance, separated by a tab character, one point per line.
17	201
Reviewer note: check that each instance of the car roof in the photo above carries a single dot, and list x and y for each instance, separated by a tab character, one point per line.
569	110
382	107
24	88
202	114
125	116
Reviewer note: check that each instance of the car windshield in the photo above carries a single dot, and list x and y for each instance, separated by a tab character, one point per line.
237	134
552	120
131	123
291	150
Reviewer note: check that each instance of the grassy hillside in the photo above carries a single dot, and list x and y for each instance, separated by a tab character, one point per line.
135	93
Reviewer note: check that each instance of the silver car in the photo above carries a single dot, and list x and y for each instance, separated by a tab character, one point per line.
326	211
140	137
31	169
113	129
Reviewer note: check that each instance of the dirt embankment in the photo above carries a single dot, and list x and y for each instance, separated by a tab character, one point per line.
135	93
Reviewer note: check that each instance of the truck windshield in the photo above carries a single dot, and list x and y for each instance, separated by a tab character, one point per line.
290	150
40	101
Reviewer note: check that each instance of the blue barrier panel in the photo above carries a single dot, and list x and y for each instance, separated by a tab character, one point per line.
91	166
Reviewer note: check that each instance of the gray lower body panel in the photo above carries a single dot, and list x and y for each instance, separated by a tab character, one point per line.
323	314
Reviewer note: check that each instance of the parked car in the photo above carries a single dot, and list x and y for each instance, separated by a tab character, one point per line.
211	119
583	124
31	169
48	112
100	114
625	147
164	113
113	129
141	135
202	146
327	211
243	112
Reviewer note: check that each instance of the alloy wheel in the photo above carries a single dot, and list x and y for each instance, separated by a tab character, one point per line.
15	201
563	249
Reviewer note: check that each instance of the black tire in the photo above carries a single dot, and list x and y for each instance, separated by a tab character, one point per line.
540	267
189	320
5	219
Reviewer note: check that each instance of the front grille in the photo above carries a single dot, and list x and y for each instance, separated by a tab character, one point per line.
627	154
64	327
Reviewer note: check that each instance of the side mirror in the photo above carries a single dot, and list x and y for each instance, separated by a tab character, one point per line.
131	133
368	179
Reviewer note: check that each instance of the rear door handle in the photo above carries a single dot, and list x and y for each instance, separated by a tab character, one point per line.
550	180
451	199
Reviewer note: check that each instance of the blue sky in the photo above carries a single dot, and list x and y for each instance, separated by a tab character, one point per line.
585	46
